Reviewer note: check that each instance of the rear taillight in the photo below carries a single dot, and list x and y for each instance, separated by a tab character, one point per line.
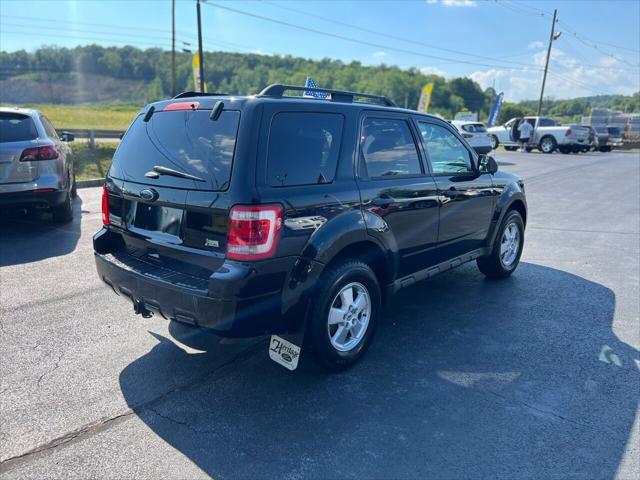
105	205
253	231
46	152
467	135
568	132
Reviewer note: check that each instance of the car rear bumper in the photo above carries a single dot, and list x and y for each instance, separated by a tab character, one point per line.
32	198
237	300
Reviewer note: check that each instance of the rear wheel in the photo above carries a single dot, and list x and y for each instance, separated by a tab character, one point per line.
74	187
63	213
344	316
547	144
507	249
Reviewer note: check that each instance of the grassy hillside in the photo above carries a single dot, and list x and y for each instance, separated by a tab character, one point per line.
99	117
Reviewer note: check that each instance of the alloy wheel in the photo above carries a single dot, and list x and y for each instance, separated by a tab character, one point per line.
349	316
509	245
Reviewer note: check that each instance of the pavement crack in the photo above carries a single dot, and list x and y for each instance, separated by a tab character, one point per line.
55	367
96	427
550	413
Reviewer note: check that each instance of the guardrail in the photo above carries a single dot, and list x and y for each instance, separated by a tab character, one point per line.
92	133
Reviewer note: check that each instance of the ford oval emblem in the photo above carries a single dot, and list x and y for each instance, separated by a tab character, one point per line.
286	356
149	194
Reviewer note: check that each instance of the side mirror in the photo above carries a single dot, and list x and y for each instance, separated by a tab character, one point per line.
488	164
67	137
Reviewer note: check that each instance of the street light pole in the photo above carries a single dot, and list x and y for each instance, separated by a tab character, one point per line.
173	48
546	65
200	56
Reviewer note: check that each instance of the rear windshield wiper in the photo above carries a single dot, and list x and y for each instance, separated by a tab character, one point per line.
175	173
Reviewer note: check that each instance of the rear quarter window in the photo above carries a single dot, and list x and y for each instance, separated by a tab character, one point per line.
15	127
303	148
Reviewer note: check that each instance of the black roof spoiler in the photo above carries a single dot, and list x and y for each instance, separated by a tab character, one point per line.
277	91
200	94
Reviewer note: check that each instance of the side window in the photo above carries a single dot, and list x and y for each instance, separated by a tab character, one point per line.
303	148
545	122
387	148
446	153
51	132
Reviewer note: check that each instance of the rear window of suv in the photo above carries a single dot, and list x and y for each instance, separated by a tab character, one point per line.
184	140
303	148
16	127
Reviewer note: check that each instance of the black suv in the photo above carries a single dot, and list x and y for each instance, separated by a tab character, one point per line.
286	215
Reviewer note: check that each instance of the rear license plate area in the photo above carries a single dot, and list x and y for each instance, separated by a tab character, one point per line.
155	220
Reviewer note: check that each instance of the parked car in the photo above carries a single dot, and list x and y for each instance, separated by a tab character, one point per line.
36	166
609	138
547	135
475	133
282	215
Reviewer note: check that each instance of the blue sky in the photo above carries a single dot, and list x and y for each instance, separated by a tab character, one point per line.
501	41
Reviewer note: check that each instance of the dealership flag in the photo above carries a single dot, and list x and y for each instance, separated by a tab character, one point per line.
425	98
311	84
196	73
496	109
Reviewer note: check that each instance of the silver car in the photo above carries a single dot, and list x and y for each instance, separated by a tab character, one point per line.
36	166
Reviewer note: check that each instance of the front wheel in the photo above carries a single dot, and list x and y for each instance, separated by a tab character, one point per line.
344	315
494	142
507	249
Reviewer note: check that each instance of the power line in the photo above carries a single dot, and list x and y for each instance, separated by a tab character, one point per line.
388	35
361	42
125	27
118	34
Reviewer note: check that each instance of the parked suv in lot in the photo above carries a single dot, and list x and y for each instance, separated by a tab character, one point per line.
274	214
36	166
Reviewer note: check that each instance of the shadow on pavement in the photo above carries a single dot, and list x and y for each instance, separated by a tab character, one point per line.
467	378
26	238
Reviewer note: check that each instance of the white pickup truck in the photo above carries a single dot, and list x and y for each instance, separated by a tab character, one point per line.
547	135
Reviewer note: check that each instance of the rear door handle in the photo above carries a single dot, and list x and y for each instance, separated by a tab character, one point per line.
452	193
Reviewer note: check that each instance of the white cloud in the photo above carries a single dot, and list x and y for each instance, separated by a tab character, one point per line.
567	78
535	45
431	71
454	3
379	53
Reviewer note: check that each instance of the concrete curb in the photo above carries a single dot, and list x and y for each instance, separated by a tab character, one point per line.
95	182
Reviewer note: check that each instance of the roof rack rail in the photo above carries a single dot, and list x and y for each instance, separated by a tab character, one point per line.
277	91
198	94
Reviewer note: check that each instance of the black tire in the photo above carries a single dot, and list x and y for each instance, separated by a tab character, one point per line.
548	144
564	150
63	213
494	142
492	265
74	187
510	149
332	281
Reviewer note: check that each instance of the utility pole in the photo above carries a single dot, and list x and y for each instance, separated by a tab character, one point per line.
173	48
552	37
200	56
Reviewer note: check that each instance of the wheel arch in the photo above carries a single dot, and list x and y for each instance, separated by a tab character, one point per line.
369	252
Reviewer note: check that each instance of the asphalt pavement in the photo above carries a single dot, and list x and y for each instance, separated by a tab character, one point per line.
536	376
